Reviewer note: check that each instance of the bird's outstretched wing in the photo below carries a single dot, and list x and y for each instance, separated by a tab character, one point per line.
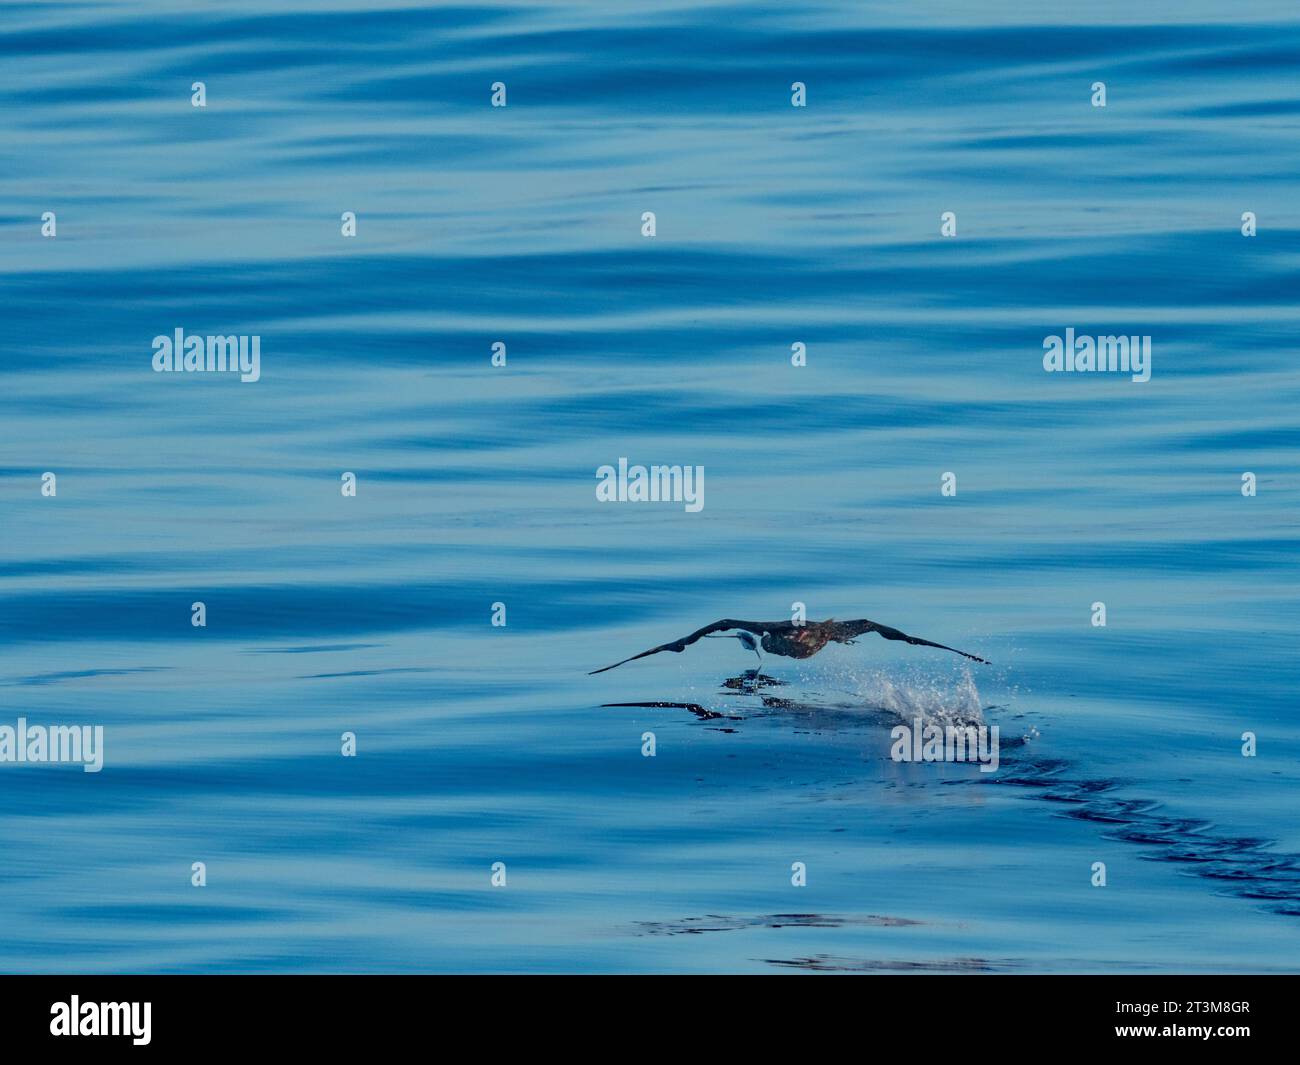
846	630
756	627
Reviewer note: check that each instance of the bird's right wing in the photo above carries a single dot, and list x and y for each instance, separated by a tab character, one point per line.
756	627
849	629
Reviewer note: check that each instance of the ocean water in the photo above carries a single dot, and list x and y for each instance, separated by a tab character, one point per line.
775	225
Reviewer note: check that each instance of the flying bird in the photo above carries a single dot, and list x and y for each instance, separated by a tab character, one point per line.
787	639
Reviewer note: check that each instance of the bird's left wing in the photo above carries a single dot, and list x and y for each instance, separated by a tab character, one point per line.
756	627
848	629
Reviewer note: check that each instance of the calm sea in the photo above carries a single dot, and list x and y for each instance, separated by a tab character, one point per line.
774	225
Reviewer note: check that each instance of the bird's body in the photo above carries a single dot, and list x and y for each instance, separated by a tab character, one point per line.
802	642
789	639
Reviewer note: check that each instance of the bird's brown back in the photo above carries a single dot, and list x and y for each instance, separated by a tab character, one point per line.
799	641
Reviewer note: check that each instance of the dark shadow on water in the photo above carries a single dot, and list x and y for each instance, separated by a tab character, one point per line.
694	708
752	681
1244	867
748	683
694	926
826	963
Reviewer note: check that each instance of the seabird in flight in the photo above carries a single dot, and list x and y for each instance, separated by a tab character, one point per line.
787	639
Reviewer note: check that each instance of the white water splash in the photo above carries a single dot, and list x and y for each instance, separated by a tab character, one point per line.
936	701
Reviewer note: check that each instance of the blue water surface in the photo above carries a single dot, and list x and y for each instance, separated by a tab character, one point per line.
775	225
